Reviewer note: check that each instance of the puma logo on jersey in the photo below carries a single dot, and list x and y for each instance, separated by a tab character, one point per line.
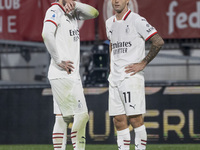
67	20
132	106
143	19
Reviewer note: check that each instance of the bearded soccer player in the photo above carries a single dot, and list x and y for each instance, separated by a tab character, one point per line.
127	32
61	37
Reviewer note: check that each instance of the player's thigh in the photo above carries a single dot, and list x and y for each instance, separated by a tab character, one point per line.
78	93
132	92
56	109
62	93
116	106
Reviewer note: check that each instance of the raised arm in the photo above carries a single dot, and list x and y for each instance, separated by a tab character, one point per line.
85	11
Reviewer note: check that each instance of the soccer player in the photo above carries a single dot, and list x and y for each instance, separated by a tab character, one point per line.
127	32
61	37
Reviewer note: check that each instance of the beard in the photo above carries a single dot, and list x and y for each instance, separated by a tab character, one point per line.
118	11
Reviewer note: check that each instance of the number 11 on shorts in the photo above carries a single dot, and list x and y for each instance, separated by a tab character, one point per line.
127	95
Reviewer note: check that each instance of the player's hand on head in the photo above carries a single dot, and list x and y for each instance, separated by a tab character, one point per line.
134	68
67	66
69	6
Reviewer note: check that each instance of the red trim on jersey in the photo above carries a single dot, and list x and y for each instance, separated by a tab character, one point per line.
58	5
127	15
52	22
151	36
114	20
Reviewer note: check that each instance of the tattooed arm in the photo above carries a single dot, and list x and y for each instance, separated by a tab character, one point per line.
157	43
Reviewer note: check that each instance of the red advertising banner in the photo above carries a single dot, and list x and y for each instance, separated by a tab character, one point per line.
23	19
87	28
172	18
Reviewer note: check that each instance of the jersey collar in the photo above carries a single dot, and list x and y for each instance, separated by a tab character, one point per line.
58	5
124	17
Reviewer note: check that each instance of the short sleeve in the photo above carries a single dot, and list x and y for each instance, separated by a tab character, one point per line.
108	33
144	28
108	28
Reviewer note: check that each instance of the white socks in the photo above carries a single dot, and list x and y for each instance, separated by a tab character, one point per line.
123	139
59	136
78	131
140	138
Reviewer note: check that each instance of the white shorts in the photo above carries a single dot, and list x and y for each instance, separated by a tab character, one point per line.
128	97
69	96
56	109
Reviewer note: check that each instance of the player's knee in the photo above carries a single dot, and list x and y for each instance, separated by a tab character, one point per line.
68	119
84	117
136	121
120	122
120	118
59	120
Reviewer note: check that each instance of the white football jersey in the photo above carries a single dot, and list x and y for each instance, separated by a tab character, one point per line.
67	41
127	38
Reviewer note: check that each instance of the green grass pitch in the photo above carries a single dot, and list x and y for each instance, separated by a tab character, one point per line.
104	147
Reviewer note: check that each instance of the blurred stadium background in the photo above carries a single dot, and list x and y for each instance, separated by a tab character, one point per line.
172	78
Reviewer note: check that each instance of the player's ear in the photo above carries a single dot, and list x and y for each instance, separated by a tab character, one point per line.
127	2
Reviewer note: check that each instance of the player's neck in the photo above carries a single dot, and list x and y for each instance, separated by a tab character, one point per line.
120	15
61	4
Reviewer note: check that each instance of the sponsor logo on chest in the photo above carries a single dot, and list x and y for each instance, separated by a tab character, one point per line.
75	34
121	47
